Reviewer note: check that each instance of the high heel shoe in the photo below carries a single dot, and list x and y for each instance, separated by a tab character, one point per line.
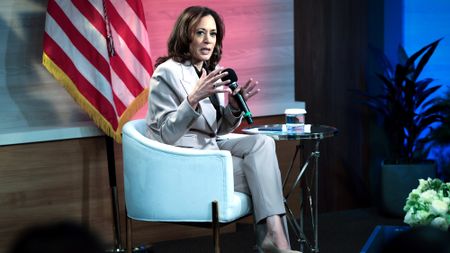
269	247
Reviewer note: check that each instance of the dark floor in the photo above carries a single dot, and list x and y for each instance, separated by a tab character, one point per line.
339	232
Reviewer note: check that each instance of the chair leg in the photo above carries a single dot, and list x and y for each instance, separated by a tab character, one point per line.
216	226
129	235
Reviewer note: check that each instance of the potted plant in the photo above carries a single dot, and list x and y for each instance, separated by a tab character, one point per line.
408	109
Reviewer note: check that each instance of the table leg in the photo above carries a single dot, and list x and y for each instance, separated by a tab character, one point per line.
302	192
316	198
312	201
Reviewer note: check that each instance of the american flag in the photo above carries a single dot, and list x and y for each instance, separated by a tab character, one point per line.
99	51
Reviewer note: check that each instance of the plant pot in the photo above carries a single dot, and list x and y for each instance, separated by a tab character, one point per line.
398	180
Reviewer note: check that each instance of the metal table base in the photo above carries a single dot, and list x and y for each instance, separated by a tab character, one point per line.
312	202
312	132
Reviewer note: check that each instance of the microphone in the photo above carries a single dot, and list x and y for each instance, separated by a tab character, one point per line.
240	100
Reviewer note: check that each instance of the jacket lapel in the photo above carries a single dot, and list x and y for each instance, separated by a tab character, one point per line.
189	80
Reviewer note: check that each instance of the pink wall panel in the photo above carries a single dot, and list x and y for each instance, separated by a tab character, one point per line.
258	43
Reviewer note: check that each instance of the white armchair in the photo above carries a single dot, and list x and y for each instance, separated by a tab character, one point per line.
163	183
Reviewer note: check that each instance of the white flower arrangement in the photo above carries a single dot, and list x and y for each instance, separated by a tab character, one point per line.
429	204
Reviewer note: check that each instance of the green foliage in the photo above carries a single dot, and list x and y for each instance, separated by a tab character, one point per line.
407	106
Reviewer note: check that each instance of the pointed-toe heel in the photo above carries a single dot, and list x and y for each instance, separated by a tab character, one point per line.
269	247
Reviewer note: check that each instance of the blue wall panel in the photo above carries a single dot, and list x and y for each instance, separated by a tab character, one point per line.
424	22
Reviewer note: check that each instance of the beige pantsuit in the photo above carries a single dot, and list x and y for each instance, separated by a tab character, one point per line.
256	172
172	120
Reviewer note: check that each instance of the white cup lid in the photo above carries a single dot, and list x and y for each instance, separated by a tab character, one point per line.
295	111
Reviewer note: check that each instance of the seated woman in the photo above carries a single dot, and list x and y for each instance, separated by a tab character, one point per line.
184	111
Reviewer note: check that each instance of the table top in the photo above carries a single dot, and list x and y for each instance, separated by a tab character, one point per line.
279	132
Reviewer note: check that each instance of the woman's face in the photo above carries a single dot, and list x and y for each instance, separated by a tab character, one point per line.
203	40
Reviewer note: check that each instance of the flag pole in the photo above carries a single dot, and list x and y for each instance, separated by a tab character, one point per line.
114	195
110	154
115	203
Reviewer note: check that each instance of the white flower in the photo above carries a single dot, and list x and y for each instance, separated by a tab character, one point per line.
429	204
421	216
416	191
428	196
446	200
439	207
422	183
408	217
439	222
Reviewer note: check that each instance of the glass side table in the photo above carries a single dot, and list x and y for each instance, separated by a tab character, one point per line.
311	132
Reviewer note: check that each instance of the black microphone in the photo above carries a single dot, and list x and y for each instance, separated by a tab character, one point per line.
241	101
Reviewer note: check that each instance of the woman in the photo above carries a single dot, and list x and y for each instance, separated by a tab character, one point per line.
184	110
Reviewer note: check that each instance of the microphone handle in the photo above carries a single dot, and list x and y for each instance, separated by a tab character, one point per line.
242	104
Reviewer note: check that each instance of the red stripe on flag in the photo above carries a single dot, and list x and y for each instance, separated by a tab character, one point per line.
97	20
138	9
120	107
92	14
123	29
126	76
79	41
90	93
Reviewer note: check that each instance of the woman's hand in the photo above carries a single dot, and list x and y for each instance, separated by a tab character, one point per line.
247	91
206	86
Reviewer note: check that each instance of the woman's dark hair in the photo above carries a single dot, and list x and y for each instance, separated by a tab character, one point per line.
183	32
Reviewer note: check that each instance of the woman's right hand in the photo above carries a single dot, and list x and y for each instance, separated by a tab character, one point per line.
207	85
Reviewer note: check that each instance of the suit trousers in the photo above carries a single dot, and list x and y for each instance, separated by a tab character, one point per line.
256	172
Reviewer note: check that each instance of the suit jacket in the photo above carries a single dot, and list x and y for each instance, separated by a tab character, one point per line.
171	119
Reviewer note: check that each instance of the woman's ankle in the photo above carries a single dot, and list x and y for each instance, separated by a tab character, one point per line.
275	232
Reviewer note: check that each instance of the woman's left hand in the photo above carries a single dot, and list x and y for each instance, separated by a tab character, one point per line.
247	91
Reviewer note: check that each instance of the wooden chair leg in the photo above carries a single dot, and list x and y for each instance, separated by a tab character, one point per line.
129	235
216	226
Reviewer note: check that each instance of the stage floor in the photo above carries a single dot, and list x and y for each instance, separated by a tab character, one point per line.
343	231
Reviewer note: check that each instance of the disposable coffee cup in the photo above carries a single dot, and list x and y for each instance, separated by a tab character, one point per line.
295	120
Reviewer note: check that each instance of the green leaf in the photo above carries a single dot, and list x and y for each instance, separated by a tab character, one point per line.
423	61
402	55
422	95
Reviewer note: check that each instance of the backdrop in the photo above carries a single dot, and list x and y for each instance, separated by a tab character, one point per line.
34	107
